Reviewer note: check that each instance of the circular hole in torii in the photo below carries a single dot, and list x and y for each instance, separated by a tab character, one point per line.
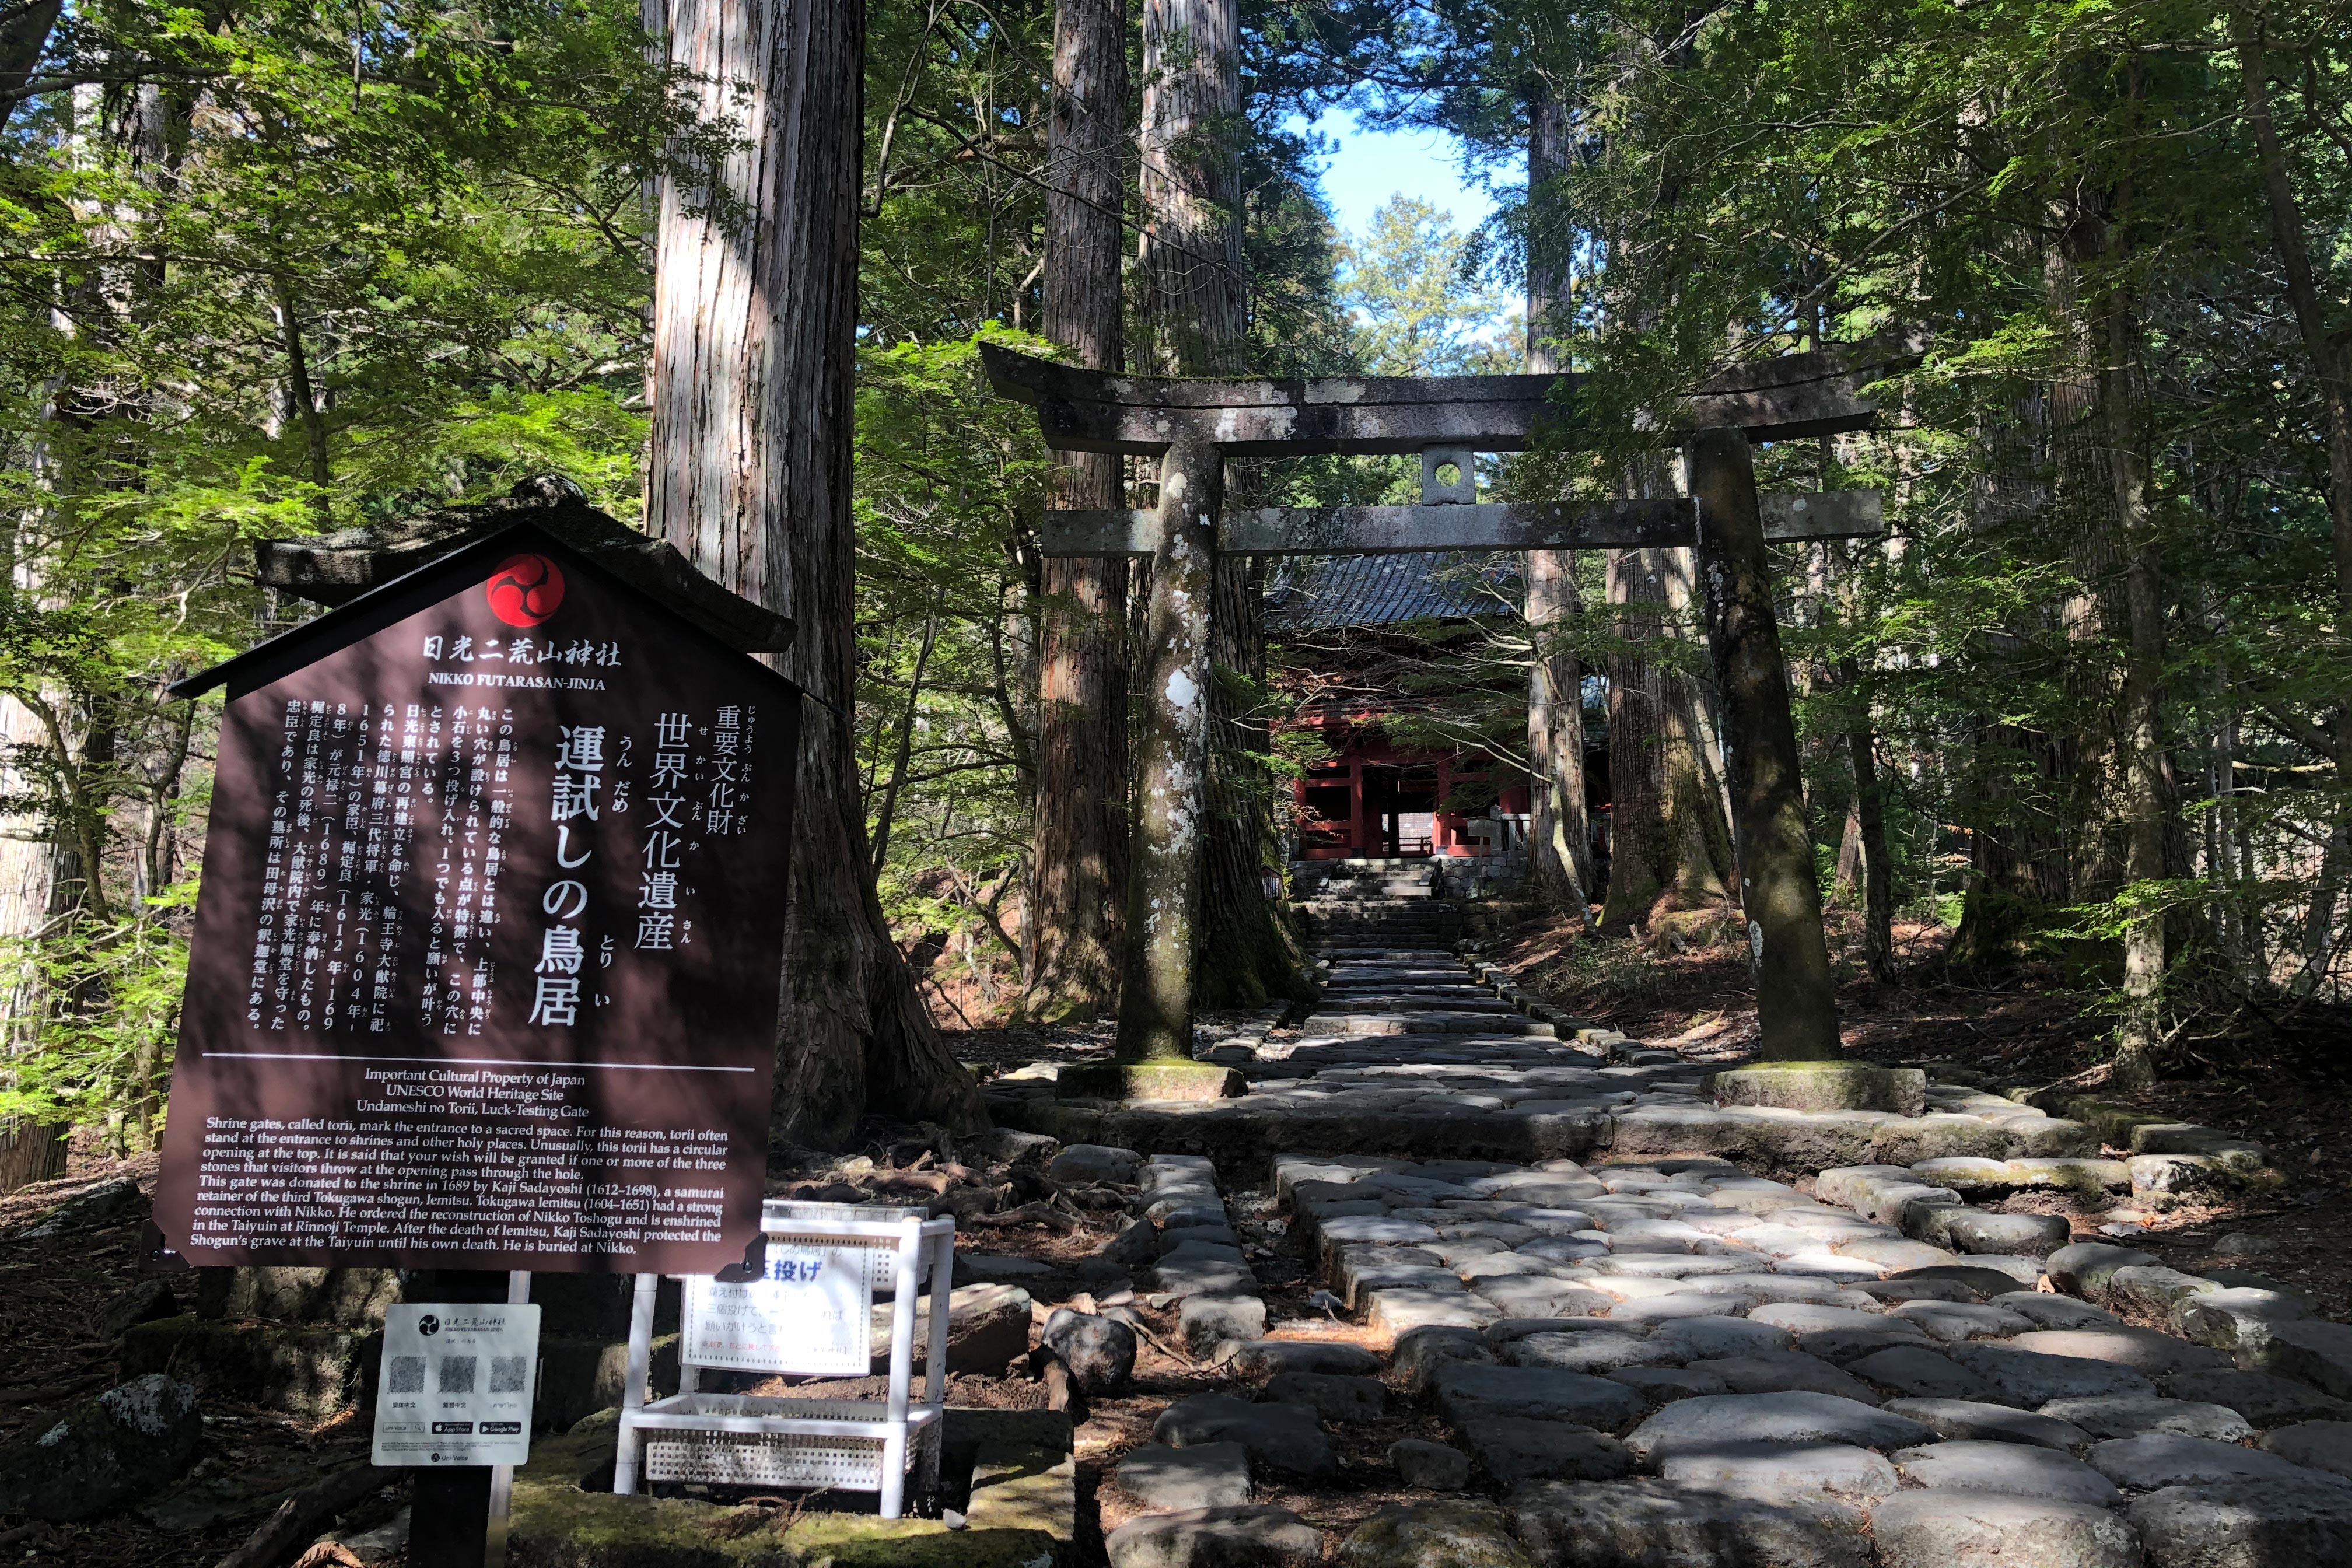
1449	473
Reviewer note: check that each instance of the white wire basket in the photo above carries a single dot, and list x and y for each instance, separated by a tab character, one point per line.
824	1454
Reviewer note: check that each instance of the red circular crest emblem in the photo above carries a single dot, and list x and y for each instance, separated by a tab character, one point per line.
525	590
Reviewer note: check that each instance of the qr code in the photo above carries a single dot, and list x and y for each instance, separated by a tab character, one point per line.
457	1373
407	1374
506	1374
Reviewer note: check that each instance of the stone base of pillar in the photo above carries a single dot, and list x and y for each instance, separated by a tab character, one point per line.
1149	1081
1823	1086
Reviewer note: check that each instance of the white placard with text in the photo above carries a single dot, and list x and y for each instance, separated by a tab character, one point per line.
812	1312
456	1383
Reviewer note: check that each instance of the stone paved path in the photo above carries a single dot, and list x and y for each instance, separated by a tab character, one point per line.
1674	1335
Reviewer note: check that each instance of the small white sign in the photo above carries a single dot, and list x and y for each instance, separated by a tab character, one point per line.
812	1312
457	1383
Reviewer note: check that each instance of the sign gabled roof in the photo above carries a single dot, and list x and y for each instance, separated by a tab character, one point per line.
424	586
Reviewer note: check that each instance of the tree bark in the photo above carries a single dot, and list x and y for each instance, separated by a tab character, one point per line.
2149	793
1196	323
1796	1000
1072	928
1877	861
1192	186
2330	361
25	28
1560	837
1155	1004
1669	846
755	315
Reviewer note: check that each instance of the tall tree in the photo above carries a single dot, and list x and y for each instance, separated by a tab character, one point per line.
1669	842
755	317
1078	881
2330	355
1559	837
1197	320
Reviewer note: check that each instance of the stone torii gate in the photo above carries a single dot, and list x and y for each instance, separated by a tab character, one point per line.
1192	426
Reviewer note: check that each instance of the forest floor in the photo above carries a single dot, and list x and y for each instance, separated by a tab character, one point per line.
2282	1082
2023	1027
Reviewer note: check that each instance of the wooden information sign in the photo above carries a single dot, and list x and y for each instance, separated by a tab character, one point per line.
487	959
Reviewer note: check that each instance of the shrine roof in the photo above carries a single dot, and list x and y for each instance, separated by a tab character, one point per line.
1325	593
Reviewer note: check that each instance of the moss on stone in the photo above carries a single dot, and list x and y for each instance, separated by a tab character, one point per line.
1026	1489
1149	1081
564	1515
316	1372
1823	1086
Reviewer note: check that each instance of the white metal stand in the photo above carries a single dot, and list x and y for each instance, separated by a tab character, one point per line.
739	1439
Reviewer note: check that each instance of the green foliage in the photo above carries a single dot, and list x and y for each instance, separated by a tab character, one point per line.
270	270
1422	307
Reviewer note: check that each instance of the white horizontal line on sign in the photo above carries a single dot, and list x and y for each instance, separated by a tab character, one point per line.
475	1061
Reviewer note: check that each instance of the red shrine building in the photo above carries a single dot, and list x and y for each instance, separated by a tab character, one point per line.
1349	632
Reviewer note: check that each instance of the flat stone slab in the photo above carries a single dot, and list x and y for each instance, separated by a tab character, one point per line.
1590	1352
1662	1385
1161	1479
2051	1311
1823	1086
1708	1338
2144	1350
2137	1415
1512	1450
2263	1399
2315	1445
1216	1538
2166	1459
1400	1311
1334	1396
2034	1379
2245	1524
1653	1523
1986	1529
1455	1534
1952	1322
2014	1470
1919	1373
1969	1419
1434	1466
1304	1355
1711	1421
2316	1352
1467	1391
1773	1471
2025	1235
1285	1438
1785	1372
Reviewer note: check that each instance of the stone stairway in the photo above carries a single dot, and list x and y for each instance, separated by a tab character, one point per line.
1367	905
1657	1332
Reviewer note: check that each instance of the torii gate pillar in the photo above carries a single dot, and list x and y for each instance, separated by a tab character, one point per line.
1163	891
1796	1006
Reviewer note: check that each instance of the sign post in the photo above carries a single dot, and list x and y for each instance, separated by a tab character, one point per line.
486	960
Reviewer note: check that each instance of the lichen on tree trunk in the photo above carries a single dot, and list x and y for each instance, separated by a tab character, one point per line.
1155	1004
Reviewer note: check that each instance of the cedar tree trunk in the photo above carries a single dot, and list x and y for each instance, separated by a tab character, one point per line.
1559	839
1081	805
755	309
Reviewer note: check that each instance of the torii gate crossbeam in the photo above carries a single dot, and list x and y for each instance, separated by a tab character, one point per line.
1194	426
